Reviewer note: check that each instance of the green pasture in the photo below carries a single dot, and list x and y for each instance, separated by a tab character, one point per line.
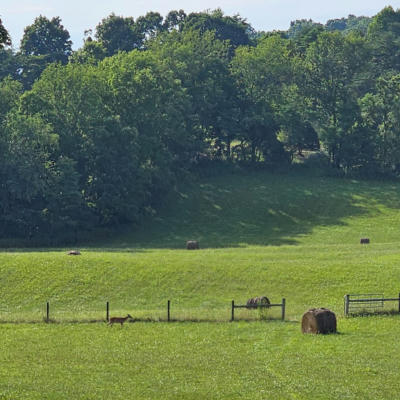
284	236
200	361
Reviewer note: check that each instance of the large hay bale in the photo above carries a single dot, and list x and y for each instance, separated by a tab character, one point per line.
364	241
318	320
192	245
253	302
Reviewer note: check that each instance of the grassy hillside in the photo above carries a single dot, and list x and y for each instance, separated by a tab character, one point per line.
274	209
284	236
291	236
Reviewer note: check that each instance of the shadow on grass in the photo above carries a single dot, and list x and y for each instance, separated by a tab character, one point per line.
145	320
51	321
258	209
388	313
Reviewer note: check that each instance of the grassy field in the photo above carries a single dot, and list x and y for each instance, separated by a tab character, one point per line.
285	236
200	361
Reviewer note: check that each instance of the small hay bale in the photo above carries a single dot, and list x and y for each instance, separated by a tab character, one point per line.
253	302
318	320
192	245
364	241
74	253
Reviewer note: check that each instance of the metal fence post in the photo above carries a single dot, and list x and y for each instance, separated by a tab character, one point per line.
346	304
399	302
47	312
233	311
283	309
169	310
108	311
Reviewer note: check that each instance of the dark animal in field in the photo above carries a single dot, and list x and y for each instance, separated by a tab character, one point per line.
364	240
192	245
118	320
318	320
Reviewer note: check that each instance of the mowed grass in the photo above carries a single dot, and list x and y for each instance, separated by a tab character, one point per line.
200	361
284	236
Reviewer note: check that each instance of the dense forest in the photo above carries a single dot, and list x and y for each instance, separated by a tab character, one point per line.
99	136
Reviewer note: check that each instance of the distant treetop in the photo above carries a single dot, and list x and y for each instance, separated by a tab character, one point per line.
47	37
5	39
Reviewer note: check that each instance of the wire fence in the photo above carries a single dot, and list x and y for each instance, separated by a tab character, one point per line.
168	311
179	310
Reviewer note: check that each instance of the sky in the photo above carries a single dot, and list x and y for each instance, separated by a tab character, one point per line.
80	15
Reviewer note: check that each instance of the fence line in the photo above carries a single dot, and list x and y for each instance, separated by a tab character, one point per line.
249	306
357	301
50	313
371	302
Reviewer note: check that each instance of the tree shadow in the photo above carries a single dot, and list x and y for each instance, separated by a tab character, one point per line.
257	209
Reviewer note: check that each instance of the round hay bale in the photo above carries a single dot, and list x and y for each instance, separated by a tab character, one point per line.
74	253
251	303
364	241
192	245
263	300
318	320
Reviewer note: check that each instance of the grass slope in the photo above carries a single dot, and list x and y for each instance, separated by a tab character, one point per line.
291	236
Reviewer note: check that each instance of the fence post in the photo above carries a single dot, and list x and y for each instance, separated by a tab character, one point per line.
346	304
108	311
47	312
169	310
233	311
399	302
283	309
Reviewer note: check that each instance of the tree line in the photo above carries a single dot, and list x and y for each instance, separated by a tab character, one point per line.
99	136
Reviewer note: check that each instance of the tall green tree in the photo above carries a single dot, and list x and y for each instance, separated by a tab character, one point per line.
297	132
92	144
337	76
349	24
261	73
10	92
234	29
27	143
47	38
5	39
92	52
174	20
381	119
384	37
201	63
122	125
116	33
150	24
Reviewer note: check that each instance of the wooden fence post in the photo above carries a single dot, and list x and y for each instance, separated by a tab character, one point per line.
169	310
283	309
108	311
233	311
47	312
346	304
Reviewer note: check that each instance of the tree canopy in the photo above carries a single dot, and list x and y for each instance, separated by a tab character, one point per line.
5	39
47	38
99	136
